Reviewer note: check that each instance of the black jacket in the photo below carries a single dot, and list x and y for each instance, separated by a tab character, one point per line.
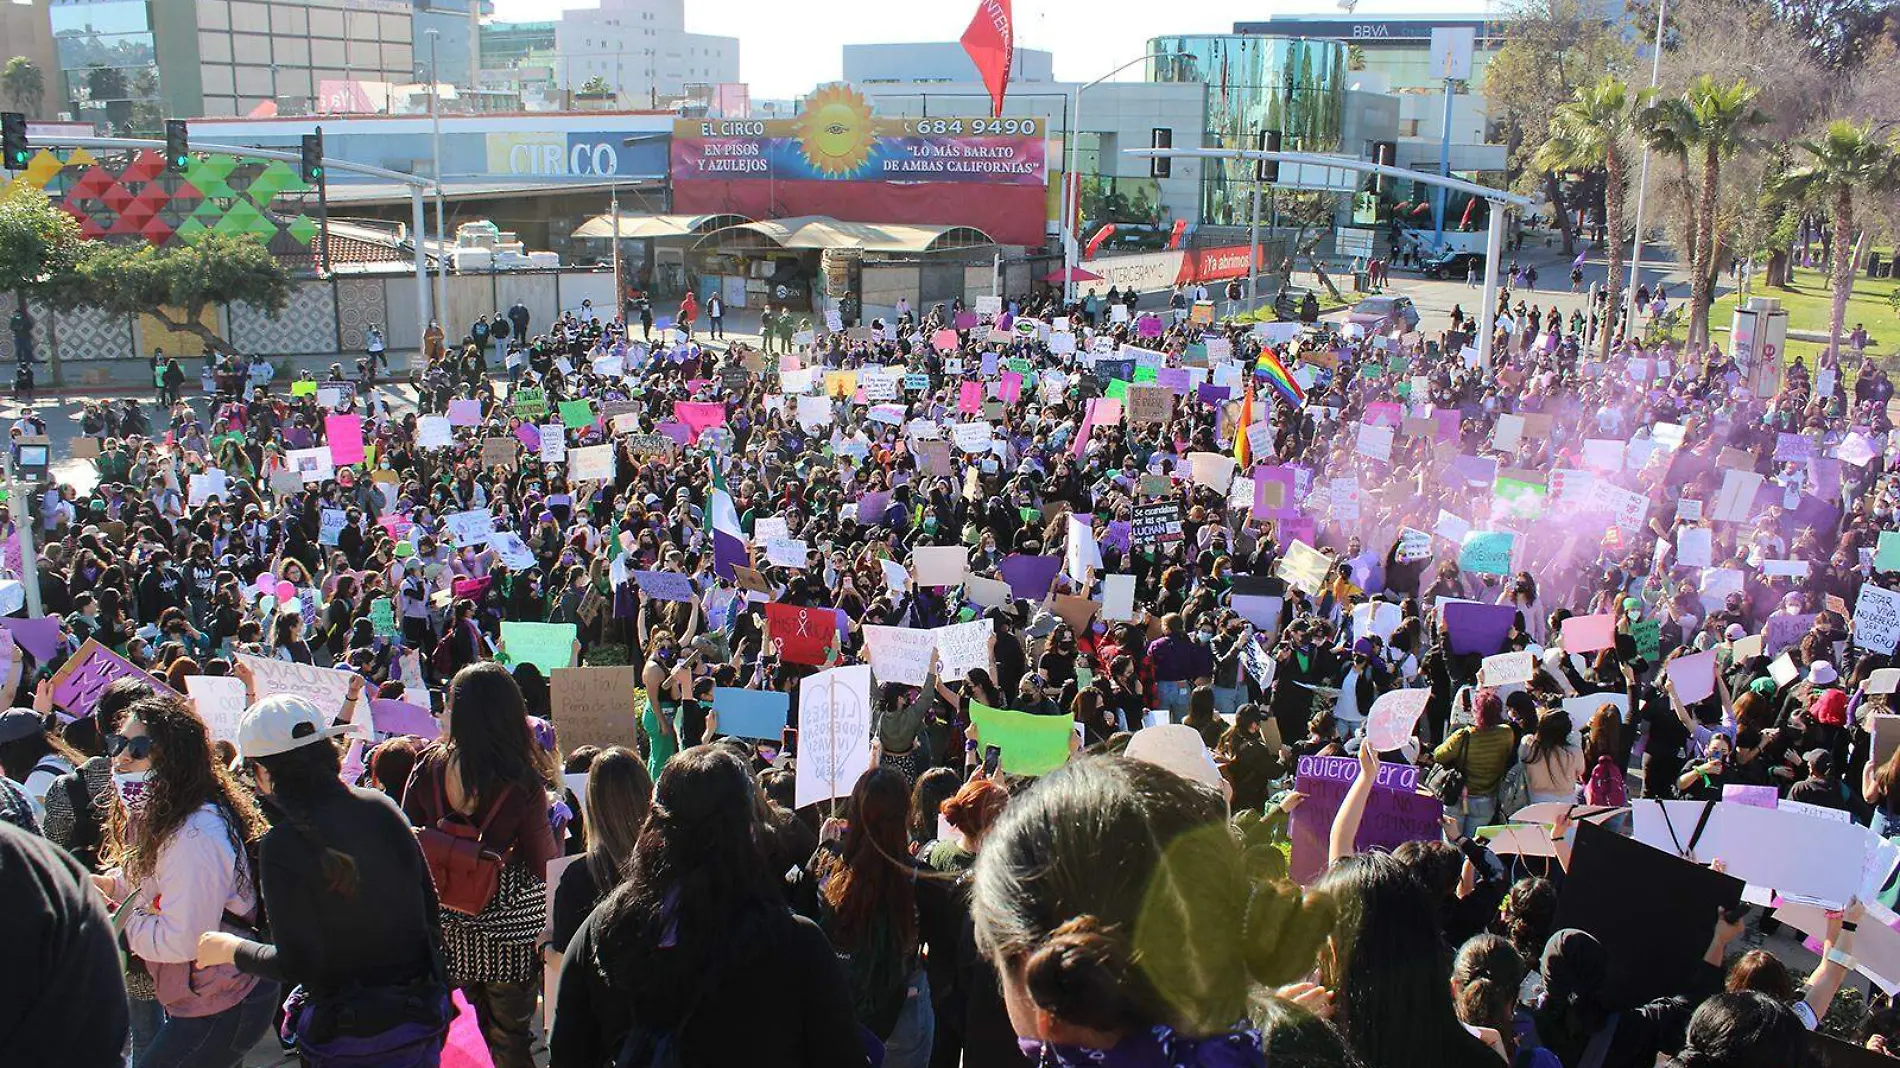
779	1000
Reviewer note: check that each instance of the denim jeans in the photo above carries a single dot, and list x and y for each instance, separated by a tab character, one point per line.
217	1041
1478	811
1173	698
1228	699
910	1041
145	1018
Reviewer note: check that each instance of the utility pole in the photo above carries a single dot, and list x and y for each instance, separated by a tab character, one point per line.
441	233
1642	187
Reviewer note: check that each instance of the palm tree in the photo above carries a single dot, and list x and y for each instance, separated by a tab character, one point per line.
1592	130
1668	129
24	84
1844	160
1719	120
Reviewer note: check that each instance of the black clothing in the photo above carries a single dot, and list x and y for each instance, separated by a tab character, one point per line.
796	1001
383	935
62	986
574	897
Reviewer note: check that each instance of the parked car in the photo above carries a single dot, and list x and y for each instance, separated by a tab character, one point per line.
1379	314
1452	265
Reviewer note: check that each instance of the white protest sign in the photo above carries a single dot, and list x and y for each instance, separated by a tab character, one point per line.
900	654
205	486
313	465
472	528
834	736
940	565
592	464
327	689
787	552
971	437
1118	598
219	701
765	529
1393	716
514	552
553	444
1507	668
1736	500
1375	442
1451	527
333	521
434	432
962	646
1416	545
1693	546
1877	619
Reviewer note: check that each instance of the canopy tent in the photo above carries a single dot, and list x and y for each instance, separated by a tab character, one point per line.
809	232
657	225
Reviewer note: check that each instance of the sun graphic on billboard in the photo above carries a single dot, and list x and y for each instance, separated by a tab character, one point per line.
835	133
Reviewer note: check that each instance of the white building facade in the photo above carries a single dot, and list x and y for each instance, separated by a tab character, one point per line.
640	49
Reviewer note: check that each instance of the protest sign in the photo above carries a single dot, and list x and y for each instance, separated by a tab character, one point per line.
1647	634
803	634
939	565
331	523
1156	523
756	714
834	733
962	646
1395	814
530	403
401	718
1877	619
1450	527
1782	630
1380	619
219	701
1478	628
1030	744
311	465
1887	552
1694	676
593	706
328	689
1029	577
1394	715
1304	566
899	654
1414	546
1505	669
1486	552
552	442
1118	598
545	645
1587	634
666	585
472	528
592	464
1735	502
1149	404
787	552
1816	860
498	452
202	487
1693	546
1374	442
85	675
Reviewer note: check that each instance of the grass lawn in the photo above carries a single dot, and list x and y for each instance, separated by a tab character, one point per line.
1810	303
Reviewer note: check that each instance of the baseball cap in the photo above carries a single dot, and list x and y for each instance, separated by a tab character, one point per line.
283	722
18	723
1178	748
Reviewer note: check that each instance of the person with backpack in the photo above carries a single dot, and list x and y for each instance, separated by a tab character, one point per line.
80	803
182	867
367	981
33	756
479	802
699	928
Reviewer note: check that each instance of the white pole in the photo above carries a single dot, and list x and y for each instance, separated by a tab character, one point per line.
1488	312
618	299
435	137
19	497
1642	188
1253	252
418	225
1071	197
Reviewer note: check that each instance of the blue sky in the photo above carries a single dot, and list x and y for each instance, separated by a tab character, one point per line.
785	48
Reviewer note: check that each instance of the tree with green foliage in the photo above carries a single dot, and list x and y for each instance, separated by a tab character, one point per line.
1551	49
24	85
1844	161
188	276
41	246
1593	131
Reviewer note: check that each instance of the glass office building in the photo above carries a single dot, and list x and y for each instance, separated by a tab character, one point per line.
108	61
1255	84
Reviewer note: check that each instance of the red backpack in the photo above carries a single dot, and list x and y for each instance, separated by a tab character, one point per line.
1605	785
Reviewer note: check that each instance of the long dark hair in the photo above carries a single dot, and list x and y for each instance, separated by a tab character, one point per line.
1388	968
619	796
1744	1030
299	779
868	878
489	740
697	865
185	777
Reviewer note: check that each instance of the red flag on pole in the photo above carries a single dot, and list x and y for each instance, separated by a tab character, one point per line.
991	43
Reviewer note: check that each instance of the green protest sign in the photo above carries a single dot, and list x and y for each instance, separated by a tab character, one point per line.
1648	636
576	414
382	615
1031	744
545	645
530	403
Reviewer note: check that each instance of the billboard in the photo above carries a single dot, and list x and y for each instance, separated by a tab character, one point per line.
1149	272
572	154
836	158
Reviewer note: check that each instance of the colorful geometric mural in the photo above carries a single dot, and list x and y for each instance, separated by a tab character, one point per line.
128	195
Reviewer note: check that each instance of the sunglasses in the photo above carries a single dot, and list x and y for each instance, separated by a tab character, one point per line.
134	748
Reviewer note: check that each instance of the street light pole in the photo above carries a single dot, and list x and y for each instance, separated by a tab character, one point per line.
1071	184
435	138
1642	187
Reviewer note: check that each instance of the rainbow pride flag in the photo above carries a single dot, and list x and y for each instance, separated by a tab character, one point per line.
1270	368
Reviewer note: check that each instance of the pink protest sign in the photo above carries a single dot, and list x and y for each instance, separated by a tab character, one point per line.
403	718
77	686
1010	388
1587	634
1384	413
345	437
970	398
466	411
944	340
699	416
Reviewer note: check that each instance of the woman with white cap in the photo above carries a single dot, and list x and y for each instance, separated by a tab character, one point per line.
367	980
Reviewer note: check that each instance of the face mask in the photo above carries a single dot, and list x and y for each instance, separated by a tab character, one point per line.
132	784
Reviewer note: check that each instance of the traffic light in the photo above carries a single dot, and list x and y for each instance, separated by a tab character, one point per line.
312	158
14	151
177	146
1161	166
1267	170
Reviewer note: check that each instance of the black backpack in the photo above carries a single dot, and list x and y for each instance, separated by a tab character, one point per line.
89	824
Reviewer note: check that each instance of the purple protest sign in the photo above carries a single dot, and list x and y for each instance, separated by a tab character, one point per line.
666	585
1395	814
1212	394
1476	470
403	718
40	636
1118	534
530	435
1448	420
871	508
966	320
1273	493
1029	577
1174	378
77	686
1478	628
1147	326
1781	631
675	430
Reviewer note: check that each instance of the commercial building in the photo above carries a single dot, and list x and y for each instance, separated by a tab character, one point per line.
458	41
936	62
26	29
129	62
1399	47
640	49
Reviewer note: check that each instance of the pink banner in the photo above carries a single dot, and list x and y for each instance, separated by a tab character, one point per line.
345	434
699	416
970	398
